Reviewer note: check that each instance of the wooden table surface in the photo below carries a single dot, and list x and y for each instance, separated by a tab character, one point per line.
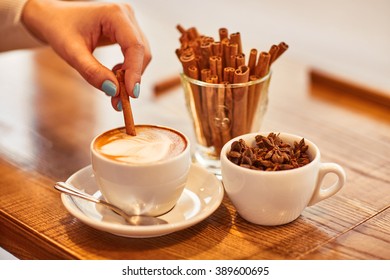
49	115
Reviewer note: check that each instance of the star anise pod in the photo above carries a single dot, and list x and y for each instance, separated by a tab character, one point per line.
277	150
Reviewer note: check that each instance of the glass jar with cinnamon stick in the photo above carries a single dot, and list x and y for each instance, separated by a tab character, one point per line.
225	95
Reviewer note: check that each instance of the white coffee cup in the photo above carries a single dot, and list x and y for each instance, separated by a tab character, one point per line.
143	174
277	197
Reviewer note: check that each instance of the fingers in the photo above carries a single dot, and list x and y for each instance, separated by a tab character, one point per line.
99	76
116	100
135	49
116	103
147	52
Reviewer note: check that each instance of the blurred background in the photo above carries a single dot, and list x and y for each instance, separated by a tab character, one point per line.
347	38
350	38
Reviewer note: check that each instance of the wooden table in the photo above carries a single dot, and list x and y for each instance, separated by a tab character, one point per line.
49	115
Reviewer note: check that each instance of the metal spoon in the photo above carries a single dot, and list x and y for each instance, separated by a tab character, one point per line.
133	220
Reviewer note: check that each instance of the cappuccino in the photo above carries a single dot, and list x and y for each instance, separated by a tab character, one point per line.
151	144
143	174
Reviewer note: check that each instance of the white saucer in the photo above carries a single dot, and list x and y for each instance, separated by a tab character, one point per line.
201	197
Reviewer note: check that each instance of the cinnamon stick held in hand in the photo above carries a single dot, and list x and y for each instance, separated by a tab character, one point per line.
127	113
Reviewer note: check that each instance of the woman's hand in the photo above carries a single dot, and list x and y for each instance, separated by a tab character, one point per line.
75	29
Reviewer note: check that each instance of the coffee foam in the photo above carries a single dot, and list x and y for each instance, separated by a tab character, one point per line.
151	144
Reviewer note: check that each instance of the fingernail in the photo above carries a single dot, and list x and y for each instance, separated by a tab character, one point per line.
109	88
136	90
119	106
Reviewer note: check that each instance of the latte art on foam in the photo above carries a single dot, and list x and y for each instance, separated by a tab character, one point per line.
151	144
140	149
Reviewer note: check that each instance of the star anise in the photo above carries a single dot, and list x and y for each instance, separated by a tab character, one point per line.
277	150
299	156
270	153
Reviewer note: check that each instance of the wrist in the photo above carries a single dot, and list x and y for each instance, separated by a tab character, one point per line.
34	15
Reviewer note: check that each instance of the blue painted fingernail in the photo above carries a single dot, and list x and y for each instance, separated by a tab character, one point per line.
119	106
109	88
136	90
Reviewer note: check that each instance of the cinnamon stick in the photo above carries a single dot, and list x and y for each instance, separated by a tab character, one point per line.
252	61
240	101
194	101
262	69
235	38
205	75
233	51
273	51
223	33
206	52
241	75
263	64
126	107
216	66
226	101
187	59
240	60
181	29
193	72
211	104
232	61
213	65
282	47
225	52
219	68
165	85
216	48
228	73
193	33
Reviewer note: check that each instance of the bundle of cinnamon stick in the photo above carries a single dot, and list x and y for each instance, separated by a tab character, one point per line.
228	110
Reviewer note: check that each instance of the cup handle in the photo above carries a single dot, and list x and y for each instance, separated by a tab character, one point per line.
323	193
